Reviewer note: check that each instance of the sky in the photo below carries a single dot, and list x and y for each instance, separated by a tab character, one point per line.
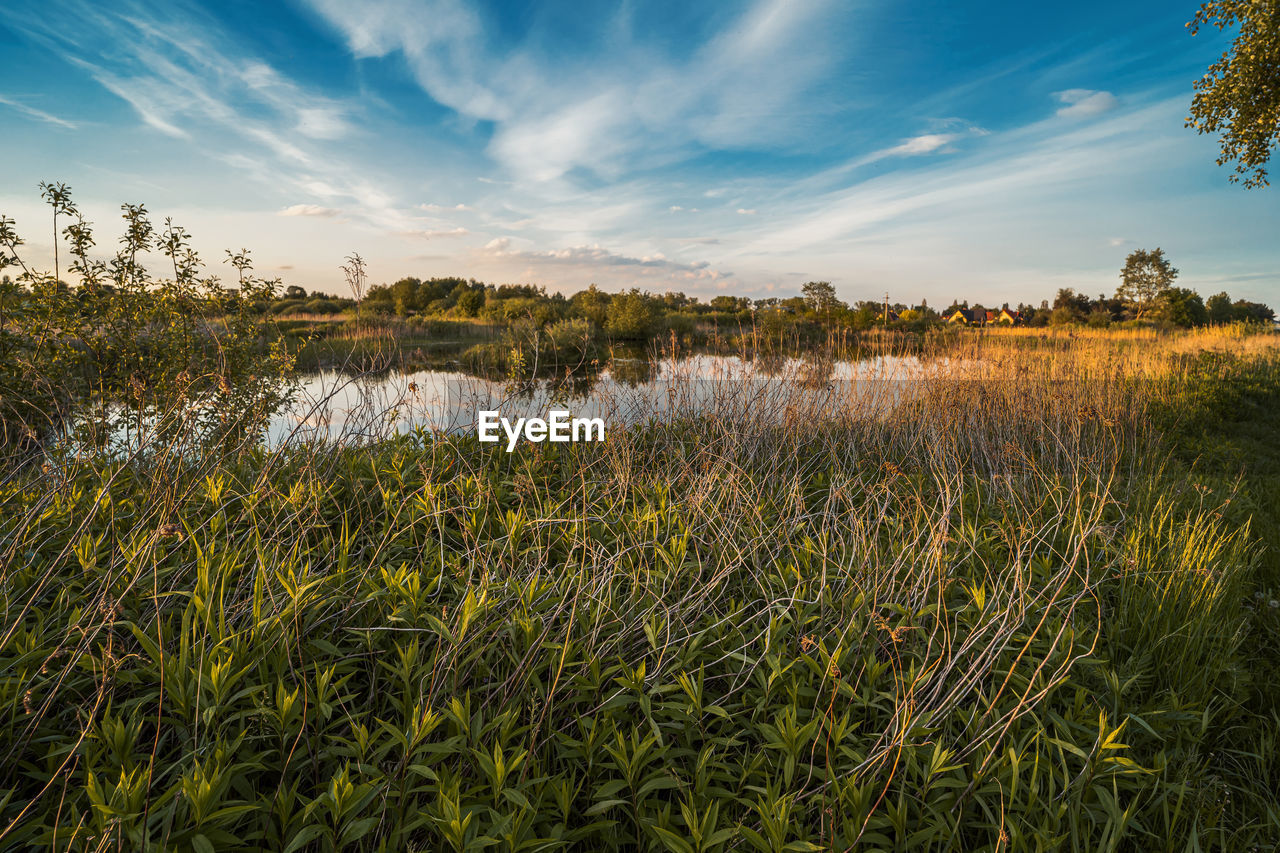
989	151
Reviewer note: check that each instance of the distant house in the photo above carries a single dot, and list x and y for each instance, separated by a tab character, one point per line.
970	317
976	317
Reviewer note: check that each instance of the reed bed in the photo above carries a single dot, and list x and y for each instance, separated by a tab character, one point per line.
982	617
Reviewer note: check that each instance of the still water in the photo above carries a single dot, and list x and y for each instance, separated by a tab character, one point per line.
341	407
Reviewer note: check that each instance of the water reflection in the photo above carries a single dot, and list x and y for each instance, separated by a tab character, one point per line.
337	406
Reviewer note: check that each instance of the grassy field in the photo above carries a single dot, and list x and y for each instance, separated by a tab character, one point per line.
1031	607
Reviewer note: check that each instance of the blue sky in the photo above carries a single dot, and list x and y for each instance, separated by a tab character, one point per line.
993	151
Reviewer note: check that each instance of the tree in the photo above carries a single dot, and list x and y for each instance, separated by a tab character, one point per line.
1064	316
58	196
468	300
1251	312
820	297
730	304
675	301
295	292
1099	317
1068	307
1144	277
592	303
1239	95
631	316
1079	303
1219	309
405	295
863	318
1183	307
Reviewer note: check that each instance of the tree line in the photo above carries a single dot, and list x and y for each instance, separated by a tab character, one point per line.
1146	294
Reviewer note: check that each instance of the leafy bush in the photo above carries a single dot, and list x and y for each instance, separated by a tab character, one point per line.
122	347
574	339
631	316
322	306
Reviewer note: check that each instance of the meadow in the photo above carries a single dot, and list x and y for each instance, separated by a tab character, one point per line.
1033	606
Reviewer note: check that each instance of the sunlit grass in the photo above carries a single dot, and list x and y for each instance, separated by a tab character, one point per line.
986	619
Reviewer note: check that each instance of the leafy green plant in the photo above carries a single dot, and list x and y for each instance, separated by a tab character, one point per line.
177	356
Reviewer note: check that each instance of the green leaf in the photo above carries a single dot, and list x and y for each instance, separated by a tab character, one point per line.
304	836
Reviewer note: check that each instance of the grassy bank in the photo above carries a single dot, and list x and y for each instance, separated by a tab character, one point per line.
1004	615
342	343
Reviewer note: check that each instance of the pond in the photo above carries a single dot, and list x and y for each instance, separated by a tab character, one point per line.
337	406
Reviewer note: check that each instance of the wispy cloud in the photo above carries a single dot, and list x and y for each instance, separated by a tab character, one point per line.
1085	103
1036	161
917	146
656	267
926	144
634	108
435	208
308	210
187	79
38	115
432	234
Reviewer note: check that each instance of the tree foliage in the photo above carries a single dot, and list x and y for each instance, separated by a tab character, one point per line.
631	316
820	296
1239	95
1180	306
125	347
1146	275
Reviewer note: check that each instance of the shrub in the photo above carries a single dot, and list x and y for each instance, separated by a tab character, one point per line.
631	316
124	347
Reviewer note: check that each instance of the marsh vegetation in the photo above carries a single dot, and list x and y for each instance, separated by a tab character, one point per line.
1030	606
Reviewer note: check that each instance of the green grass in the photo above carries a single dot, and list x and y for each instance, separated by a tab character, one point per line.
996	621
1225	443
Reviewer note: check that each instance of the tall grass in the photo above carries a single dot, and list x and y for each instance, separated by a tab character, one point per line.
984	618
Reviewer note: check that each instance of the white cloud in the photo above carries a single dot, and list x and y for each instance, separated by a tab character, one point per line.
1033	191
432	234
435	208
308	210
597	257
636	107
926	144
322	123
188	79
39	115
1085	103
743	211
915	146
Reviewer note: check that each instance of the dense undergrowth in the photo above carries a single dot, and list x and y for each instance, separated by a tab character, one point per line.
1017	616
